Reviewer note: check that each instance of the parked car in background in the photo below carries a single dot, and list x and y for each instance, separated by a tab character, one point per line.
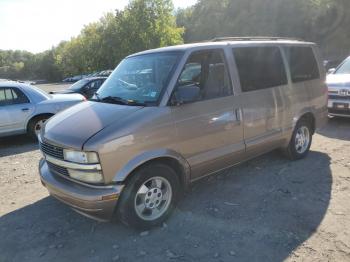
73	78
338	82
86	87
66	80
170	116
104	73
25	108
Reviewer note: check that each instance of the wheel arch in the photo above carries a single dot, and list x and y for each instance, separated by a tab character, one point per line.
306	115
37	116
167	157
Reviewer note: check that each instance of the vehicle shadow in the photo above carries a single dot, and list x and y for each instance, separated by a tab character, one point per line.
337	127
16	145
259	211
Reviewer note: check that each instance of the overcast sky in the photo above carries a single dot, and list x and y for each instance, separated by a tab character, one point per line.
37	25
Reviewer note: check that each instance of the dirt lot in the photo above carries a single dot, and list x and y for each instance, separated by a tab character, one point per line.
268	209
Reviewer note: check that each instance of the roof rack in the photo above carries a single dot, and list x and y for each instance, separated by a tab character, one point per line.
253	38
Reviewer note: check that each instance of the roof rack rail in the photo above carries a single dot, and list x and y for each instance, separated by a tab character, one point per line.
253	38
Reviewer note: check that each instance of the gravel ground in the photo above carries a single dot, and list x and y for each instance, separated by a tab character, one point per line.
268	209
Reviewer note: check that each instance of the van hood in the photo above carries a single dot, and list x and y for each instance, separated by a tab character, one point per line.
73	127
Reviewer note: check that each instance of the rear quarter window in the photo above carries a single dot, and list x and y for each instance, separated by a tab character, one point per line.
260	67
302	63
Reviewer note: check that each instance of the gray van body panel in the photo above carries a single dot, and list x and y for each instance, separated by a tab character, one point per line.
249	126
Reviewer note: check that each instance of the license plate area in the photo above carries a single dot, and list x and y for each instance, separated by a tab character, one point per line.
341	105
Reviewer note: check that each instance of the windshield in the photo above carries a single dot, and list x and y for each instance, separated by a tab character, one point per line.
78	85
344	68
140	79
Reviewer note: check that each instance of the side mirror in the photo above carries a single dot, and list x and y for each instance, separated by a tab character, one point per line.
186	94
331	71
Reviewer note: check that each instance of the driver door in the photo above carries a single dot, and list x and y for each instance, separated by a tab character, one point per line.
209	128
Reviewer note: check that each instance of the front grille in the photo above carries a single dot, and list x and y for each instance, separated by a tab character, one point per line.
339	97
51	150
57	169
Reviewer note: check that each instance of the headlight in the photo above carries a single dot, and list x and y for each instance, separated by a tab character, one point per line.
85	176
80	157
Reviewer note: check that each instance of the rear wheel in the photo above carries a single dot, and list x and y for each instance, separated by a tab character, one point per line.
149	197
300	144
36	124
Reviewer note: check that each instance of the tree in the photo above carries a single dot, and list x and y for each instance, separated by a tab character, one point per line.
147	24
143	24
322	21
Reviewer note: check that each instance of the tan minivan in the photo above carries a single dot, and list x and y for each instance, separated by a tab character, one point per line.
170	116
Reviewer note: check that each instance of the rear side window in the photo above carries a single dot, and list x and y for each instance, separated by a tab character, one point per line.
259	67
12	96
302	64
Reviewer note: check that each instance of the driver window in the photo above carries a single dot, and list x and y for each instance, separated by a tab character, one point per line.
207	71
89	85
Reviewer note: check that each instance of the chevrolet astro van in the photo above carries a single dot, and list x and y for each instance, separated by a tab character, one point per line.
170	116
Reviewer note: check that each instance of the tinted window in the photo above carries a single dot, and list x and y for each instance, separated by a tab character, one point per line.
259	67
12	96
302	63
207	71
95	84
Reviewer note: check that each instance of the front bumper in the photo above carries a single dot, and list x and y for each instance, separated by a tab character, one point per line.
97	202
339	107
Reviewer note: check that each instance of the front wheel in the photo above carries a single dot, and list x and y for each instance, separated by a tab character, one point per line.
149	197
300	143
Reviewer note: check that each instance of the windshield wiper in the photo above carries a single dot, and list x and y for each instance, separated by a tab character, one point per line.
121	101
117	100
113	99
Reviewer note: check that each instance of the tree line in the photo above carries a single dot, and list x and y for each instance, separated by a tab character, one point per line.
146	24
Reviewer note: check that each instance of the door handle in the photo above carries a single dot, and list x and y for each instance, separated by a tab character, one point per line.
238	114
25	109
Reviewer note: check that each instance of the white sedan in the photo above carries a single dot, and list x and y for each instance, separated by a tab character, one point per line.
25	108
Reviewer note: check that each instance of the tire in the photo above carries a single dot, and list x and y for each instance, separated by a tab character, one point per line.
300	143
145	191
35	125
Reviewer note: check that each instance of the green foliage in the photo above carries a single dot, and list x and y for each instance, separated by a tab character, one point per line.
322	21
147	24
143	24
